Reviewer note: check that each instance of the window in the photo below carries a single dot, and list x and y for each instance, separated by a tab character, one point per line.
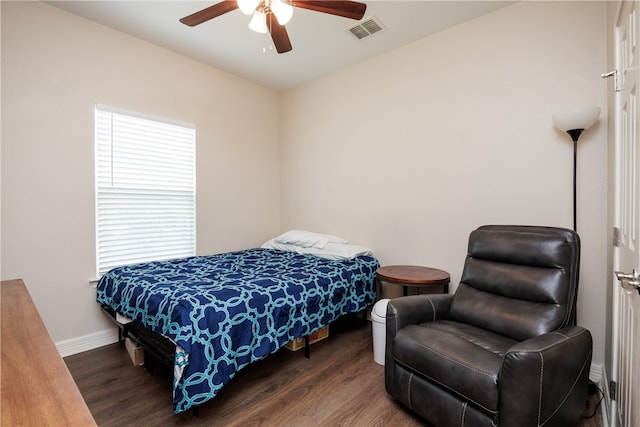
145	189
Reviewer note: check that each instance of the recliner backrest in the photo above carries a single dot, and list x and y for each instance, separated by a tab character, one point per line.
519	281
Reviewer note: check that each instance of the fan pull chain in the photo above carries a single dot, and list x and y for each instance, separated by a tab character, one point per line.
269	45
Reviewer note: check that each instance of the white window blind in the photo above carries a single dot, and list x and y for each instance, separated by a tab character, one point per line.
145	189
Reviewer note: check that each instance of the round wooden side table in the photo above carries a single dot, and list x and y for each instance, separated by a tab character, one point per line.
413	276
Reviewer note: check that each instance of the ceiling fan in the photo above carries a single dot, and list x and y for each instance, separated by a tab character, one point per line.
272	15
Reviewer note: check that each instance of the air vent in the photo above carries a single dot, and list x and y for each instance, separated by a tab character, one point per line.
367	27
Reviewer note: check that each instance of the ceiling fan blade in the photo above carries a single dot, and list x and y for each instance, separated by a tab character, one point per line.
279	35
209	13
347	9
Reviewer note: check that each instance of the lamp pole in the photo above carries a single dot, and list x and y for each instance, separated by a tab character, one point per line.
575	135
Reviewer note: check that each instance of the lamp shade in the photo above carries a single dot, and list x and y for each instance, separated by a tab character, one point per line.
576	118
259	22
283	11
248	6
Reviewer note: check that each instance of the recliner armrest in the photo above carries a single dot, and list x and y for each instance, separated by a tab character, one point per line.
554	369
416	309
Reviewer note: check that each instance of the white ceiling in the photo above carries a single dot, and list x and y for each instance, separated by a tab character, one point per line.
321	43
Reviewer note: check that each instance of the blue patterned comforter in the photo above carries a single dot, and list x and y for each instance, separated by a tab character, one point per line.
228	310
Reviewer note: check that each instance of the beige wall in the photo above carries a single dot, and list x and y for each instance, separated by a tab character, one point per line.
410	151
55	68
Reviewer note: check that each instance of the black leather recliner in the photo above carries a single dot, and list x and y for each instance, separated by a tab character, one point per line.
504	349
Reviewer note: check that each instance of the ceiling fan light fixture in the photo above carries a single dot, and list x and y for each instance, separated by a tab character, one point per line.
282	10
259	22
248	6
261	10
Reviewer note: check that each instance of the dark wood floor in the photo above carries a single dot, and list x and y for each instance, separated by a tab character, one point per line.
340	385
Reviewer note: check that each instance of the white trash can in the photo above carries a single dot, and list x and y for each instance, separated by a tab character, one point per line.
379	327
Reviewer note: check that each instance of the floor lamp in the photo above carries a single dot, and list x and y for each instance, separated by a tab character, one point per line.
574	122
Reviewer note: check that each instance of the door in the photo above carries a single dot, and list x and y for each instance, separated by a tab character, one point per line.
626	299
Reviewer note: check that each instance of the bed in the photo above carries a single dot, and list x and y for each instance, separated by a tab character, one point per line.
225	311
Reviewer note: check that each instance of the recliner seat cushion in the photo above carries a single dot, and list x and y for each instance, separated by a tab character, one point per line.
461	358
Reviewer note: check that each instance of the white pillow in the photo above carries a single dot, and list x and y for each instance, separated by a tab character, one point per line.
342	251
308	239
333	251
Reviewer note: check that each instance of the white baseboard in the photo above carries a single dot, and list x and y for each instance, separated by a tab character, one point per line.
599	376
595	373
87	342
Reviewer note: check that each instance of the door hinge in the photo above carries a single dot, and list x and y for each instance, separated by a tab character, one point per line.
613	390
616	237
616	79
